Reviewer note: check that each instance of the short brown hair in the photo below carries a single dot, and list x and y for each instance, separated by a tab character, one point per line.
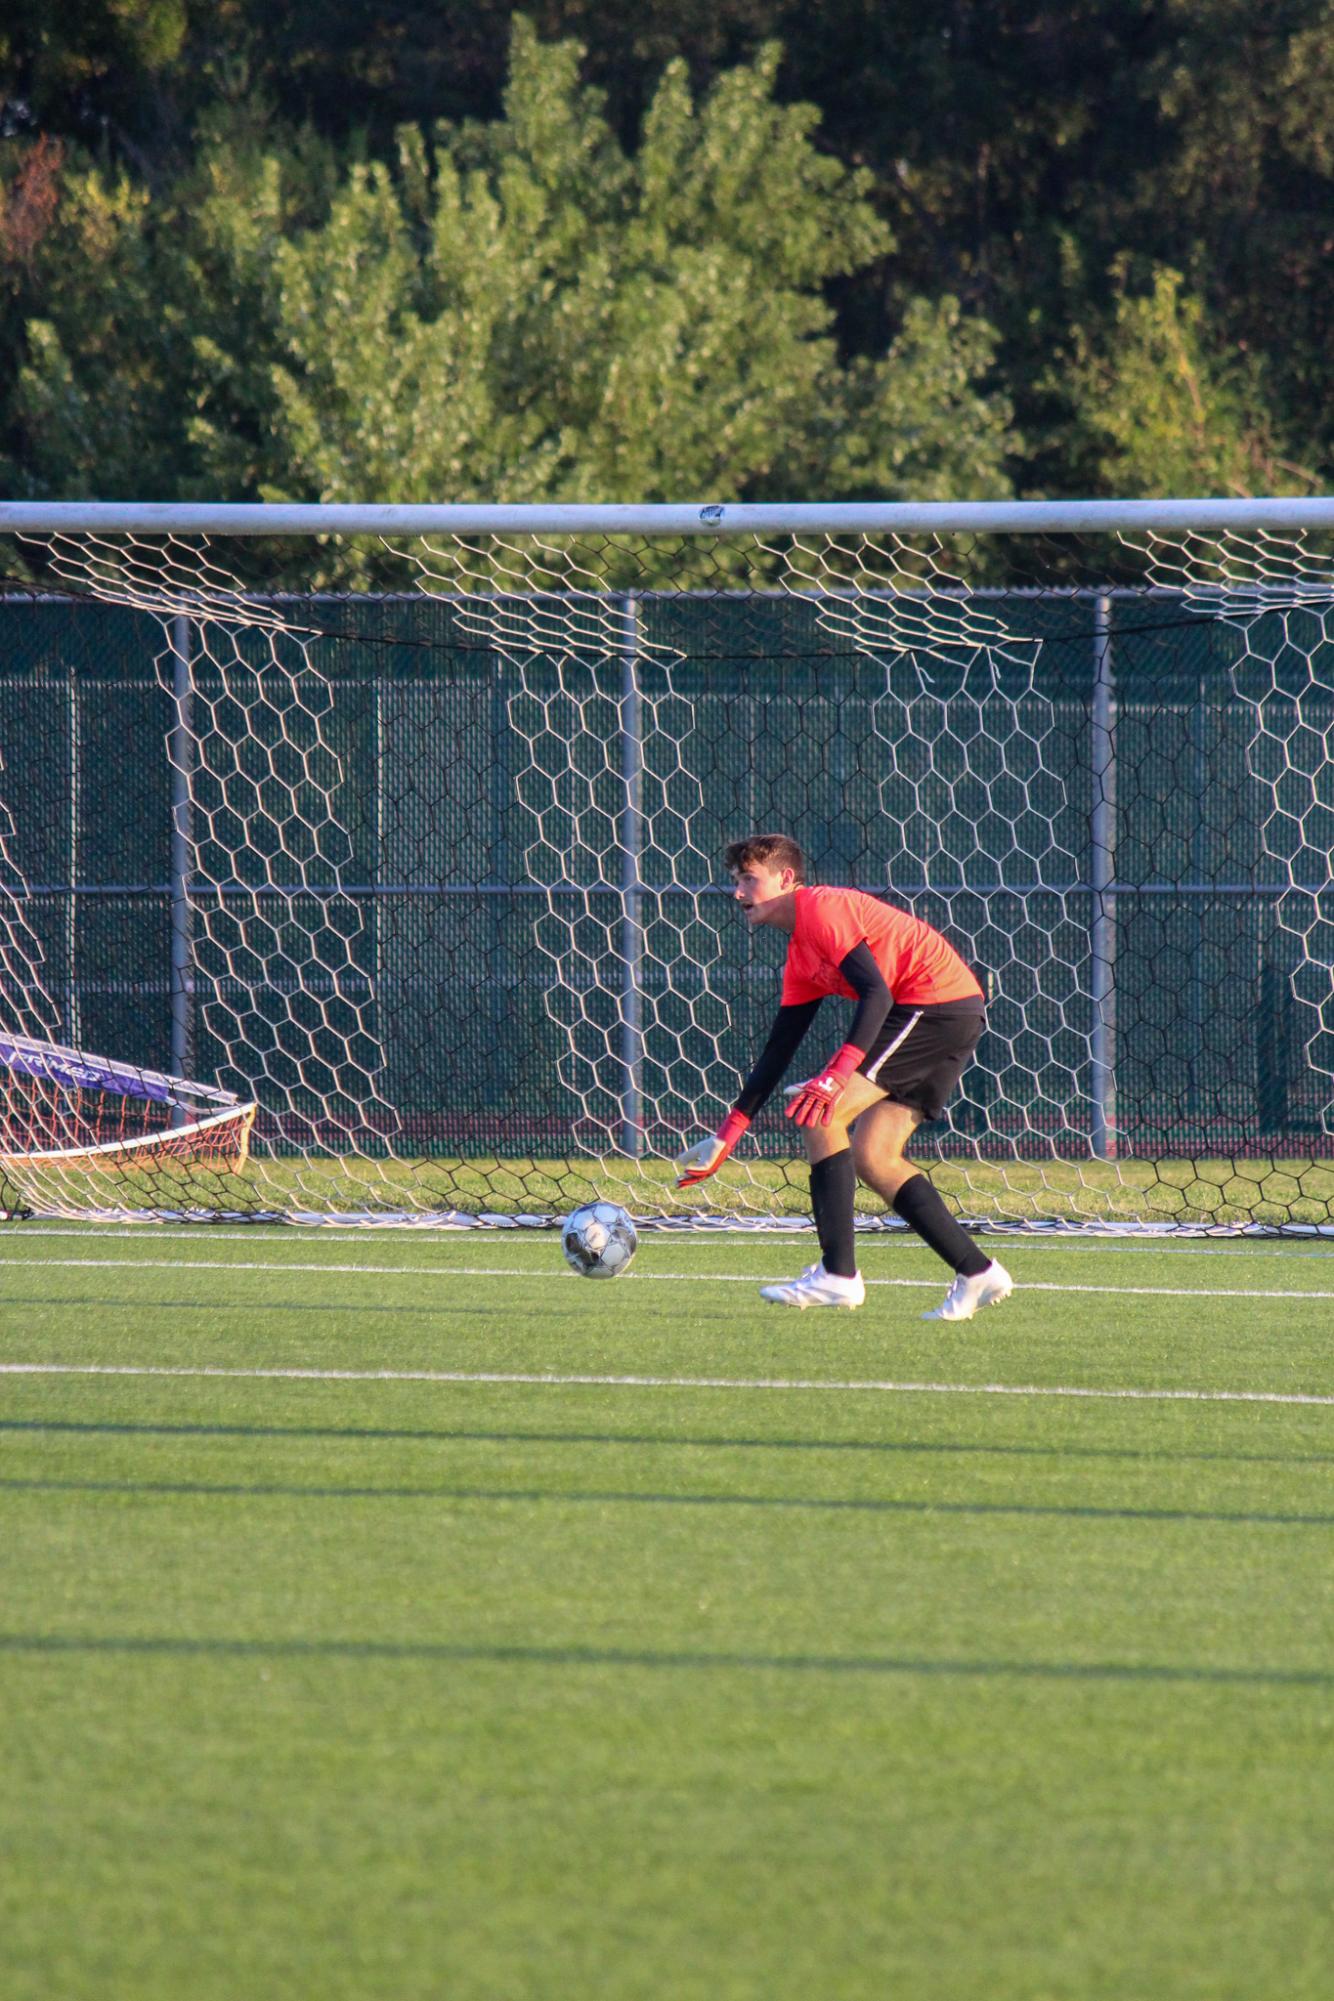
774	851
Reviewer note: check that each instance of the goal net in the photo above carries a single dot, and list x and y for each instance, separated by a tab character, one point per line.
366	863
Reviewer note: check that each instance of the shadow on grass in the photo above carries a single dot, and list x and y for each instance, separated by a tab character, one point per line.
714	1442
535	1496
50	1644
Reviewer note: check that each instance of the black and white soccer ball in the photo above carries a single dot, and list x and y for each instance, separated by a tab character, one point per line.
598	1240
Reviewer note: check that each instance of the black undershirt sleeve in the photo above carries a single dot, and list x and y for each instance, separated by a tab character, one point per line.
874	999
785	1037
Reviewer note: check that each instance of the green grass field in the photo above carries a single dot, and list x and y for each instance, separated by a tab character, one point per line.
1165	1191
394	1615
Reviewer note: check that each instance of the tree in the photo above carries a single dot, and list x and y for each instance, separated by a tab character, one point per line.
1243	205
1165	415
89	68
138	311
1021	155
519	309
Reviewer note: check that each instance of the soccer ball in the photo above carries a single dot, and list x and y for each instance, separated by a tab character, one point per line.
598	1240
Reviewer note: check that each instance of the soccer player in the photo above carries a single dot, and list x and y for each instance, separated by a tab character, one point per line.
919	1014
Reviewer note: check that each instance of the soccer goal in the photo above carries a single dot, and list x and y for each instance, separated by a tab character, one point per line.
365	862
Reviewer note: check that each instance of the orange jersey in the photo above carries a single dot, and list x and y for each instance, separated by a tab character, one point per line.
919	966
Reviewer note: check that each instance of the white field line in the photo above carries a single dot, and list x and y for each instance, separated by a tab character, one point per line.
642	1278
296	1238
769	1383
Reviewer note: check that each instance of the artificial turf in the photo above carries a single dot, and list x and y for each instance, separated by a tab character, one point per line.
344	1684
1165	1191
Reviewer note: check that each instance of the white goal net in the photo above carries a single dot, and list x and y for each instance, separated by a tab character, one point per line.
366	863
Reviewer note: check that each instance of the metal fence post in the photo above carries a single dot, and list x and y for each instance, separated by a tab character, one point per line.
180	750
73	1027
632	842
1102	831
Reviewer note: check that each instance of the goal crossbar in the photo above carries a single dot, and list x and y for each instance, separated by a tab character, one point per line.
1028	517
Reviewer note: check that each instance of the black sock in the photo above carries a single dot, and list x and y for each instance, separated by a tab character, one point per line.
923	1210
833	1192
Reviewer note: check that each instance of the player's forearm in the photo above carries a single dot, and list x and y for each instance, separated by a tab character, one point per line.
785	1038
874	999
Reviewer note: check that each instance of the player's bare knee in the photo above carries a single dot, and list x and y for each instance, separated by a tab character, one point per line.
875	1161
876	1138
821	1142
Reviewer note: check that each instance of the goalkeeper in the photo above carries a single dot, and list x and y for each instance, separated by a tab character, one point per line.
918	1017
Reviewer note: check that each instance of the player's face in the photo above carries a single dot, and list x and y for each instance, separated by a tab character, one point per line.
758	890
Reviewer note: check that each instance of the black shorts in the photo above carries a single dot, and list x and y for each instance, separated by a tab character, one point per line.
920	1054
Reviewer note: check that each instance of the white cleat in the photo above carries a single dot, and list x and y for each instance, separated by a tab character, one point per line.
816	1287
964	1297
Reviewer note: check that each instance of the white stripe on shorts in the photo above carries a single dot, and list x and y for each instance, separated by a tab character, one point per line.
899	1039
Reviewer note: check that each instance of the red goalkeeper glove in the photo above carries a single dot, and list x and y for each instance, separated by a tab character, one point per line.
813	1102
706	1156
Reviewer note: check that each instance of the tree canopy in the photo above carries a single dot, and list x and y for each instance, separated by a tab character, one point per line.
747	249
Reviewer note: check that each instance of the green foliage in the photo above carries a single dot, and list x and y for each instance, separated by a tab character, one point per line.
95	405
106	394
1037	165
89	68
513	310
916	424
61	50
526	311
1165	415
